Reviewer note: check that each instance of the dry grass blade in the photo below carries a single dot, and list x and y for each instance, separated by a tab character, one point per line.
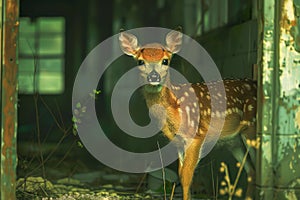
163	171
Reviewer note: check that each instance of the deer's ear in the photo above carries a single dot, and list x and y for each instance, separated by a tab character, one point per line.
128	43
174	41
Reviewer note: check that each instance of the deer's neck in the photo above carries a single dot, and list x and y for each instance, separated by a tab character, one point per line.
163	96
164	106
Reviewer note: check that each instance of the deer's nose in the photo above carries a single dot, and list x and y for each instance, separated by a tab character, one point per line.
153	77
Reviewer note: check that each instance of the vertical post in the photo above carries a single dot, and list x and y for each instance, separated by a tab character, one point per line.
9	32
267	82
278	101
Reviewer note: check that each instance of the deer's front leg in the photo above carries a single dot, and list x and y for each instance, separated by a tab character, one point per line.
188	165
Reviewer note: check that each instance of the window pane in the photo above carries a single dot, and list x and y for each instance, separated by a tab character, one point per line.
51	65
26	82
26	26
26	44
51	25
26	65
51	45
50	82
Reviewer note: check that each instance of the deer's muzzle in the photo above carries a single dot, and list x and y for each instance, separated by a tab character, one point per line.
153	78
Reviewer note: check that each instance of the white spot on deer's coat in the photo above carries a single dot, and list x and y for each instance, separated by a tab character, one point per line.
182	99
223	114
212	114
176	87
186	94
244	122
218	114
187	110
236	110
208	111
250	107
247	86
192	124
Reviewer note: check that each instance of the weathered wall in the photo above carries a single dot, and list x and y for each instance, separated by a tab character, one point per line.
278	102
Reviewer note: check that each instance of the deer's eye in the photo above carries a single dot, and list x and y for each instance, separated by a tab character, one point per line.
141	62
165	61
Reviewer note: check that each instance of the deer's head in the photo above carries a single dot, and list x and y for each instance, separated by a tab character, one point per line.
153	59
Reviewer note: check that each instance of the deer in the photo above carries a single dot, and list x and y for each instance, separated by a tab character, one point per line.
183	114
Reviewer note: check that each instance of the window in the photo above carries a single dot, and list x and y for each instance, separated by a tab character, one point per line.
41	55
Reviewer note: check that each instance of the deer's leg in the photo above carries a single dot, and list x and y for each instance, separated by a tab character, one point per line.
187	167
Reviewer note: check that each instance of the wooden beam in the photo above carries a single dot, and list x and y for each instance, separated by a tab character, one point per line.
9	68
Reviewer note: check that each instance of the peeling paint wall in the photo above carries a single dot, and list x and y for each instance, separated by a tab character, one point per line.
288	134
279	99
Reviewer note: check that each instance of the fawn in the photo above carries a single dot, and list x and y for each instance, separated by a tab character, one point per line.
182	115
